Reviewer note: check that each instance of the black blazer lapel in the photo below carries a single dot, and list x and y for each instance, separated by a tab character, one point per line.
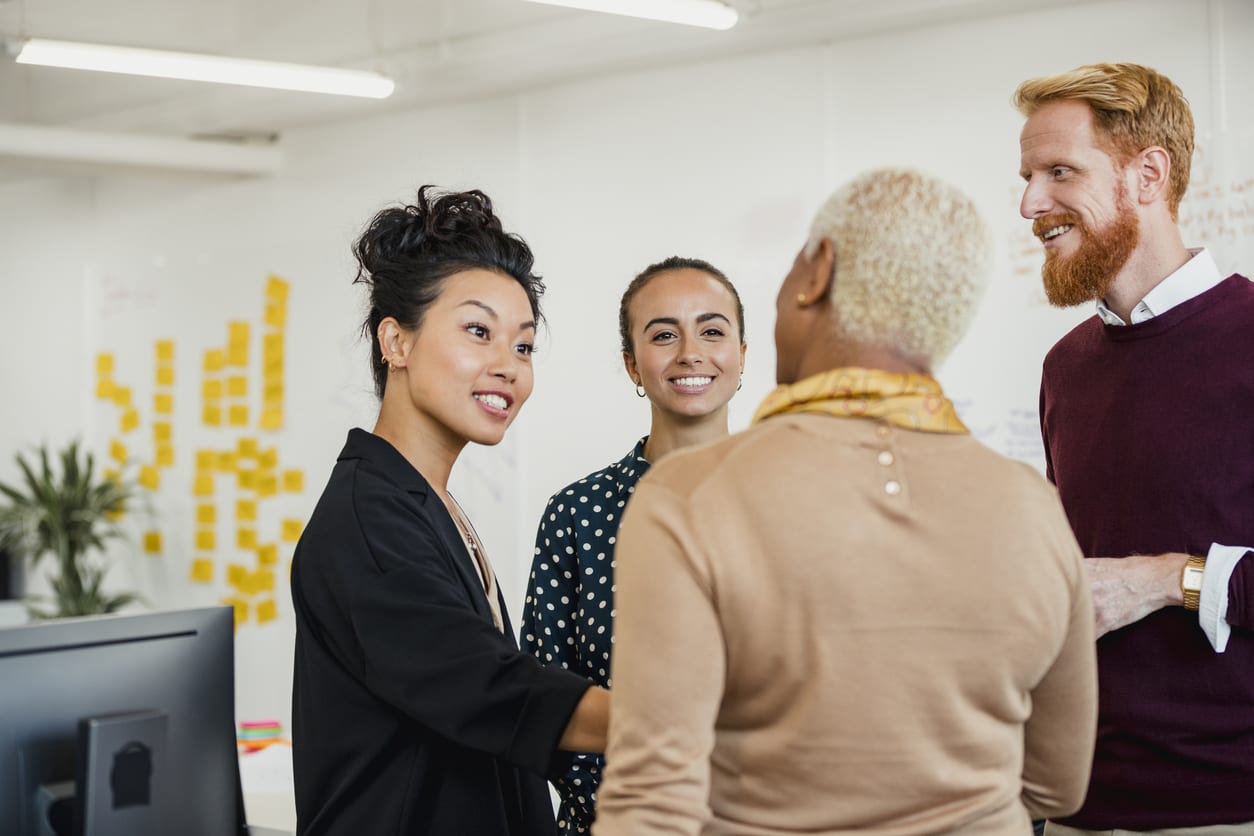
455	549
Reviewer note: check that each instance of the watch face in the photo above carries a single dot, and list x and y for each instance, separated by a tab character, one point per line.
1192	579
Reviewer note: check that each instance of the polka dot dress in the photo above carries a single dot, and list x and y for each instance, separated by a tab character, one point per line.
568	616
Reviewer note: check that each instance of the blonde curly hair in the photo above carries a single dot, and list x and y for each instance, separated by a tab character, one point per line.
912	260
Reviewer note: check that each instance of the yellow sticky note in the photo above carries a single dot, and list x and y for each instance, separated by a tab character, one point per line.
104	364
237	355
245	509
130	420
292	530
203	486
272	346
104	389
263	580
293	481
202	570
237	332
268	555
122	396
150	477
206	540
206	513
267	611
227	462
118	451
272	419
215	360
206	460
163	404
165	350
162	431
246	479
267	484
213	416
268	458
247	447
272	392
152	542
246	538
276	288
165	455
211	390
239	415
237	575
237	386
165	375
276	315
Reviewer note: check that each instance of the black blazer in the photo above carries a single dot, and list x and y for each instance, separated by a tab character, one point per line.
411	713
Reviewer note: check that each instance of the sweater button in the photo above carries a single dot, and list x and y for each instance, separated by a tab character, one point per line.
886	458
892	487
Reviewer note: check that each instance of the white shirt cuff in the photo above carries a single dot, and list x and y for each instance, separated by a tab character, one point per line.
1212	612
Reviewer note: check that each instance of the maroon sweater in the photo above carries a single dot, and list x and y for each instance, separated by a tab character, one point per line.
1149	436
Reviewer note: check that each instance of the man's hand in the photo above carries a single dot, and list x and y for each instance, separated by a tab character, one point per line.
1126	589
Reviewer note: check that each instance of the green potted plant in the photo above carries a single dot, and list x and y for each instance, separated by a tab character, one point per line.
67	514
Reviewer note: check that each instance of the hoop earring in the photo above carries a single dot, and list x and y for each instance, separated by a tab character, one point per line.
639	390
741	383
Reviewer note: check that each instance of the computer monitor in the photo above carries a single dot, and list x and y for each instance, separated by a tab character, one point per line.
120	724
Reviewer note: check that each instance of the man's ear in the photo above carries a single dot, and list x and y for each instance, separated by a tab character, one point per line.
1152	167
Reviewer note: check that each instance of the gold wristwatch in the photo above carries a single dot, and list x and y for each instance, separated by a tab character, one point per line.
1191	582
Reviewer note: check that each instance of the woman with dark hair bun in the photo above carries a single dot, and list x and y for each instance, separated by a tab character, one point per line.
682	328
413	710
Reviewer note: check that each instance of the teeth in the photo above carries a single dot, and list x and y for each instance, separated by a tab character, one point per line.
1056	231
692	381
492	400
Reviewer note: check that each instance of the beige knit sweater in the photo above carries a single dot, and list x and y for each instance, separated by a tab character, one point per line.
830	625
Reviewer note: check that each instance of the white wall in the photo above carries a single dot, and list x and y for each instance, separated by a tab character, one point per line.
724	161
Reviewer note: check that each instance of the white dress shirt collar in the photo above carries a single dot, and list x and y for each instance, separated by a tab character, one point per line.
1196	276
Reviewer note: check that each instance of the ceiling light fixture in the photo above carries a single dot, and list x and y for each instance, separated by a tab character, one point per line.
711	14
194	67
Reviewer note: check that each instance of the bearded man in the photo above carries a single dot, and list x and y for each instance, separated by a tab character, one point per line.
1147	413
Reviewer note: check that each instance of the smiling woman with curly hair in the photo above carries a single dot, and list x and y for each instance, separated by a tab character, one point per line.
413	709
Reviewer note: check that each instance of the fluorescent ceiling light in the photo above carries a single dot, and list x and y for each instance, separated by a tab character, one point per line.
711	14
193	67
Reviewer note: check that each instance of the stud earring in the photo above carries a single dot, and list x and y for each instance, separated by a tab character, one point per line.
801	299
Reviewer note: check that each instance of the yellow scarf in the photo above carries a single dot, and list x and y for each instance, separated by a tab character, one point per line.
913	401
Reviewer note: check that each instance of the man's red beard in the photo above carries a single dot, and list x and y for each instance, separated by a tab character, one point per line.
1089	272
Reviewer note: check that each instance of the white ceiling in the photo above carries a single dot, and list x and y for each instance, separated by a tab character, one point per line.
436	50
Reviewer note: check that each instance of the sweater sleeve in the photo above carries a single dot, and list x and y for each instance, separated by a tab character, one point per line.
422	647
668	670
1060	734
1241	593
1227	598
